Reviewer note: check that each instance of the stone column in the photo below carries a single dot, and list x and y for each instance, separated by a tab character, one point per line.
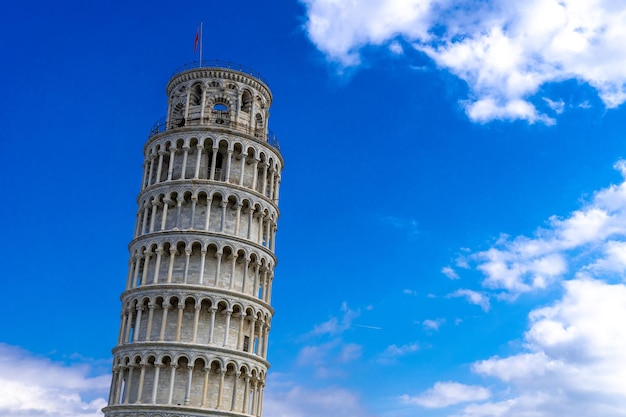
144	180
264	183
196	318
142	375
189	377
232	273
246	396
213	162
245	274
243	168
166	308
194	201
187	256
234	397
221	389
240	334
157	267
229	158
227	326
118	388
250	218
200	148
145	218
166	204
137	323
207	219
120	335
238	219
152	158
157	369
146	262
170	268
170	168
151	308
155	205
160	166
179	325
223	205
213	309
128	386
205	387
255	173
172	377
128	324
252	331
202	264
218	255
179	204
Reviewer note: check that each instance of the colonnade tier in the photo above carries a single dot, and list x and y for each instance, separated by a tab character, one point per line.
193	380
226	158
198	208
173	320
205	262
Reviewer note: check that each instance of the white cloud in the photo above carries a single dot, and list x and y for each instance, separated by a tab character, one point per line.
575	359
433	324
444	394
473	297
335	325
504	50
341	28
589	239
288	399
34	386
449	272
572	359
393	352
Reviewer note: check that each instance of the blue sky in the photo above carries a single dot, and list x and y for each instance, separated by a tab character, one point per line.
452	239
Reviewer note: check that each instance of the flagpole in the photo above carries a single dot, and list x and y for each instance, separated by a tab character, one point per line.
200	44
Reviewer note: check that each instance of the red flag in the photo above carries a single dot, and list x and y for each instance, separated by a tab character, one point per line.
195	42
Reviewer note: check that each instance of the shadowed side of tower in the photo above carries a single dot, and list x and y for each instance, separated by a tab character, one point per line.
196	310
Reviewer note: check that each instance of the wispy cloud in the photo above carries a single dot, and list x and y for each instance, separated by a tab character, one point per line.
337	325
393	352
473	297
505	51
409	225
33	386
444	394
433	324
449	272
287	398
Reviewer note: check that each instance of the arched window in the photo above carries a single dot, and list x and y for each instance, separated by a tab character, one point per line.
246	101
220	110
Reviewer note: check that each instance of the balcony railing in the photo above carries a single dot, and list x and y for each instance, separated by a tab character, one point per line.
162	125
216	63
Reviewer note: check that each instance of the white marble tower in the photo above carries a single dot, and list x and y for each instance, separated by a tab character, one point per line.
196	310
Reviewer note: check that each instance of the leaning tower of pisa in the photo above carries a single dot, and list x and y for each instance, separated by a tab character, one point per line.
196	310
